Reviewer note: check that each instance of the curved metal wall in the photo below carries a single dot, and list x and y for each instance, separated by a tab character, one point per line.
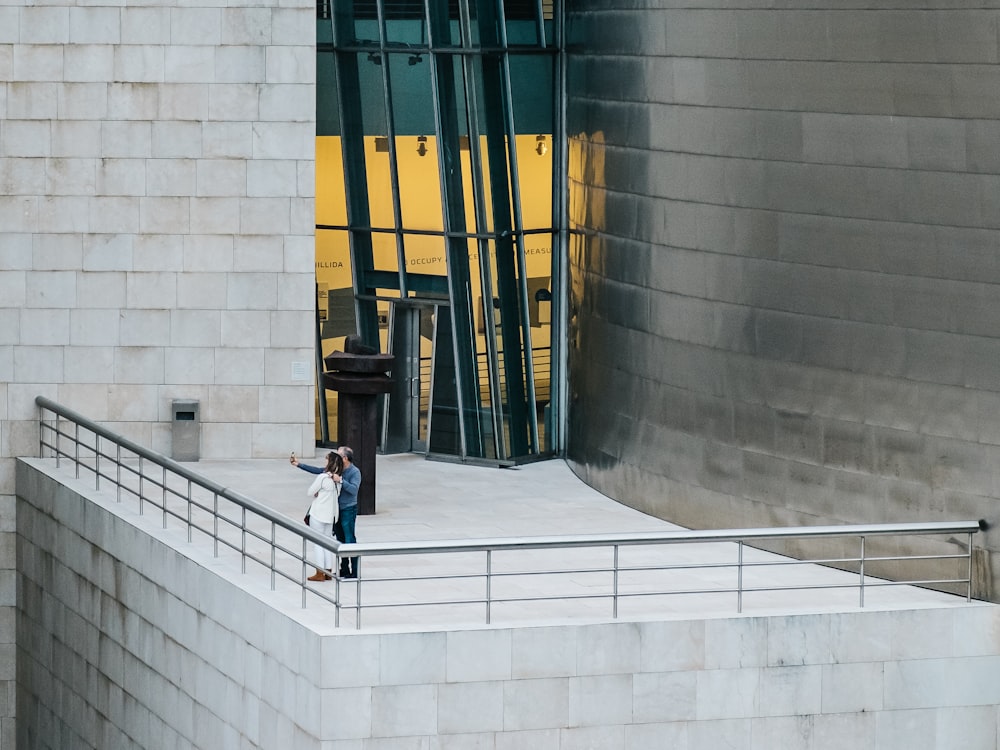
785	305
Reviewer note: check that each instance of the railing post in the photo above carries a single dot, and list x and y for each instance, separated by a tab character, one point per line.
141	493
118	472
968	595
163	495
273	550
76	448
97	461
190	507
489	581
739	576
614	613
861	583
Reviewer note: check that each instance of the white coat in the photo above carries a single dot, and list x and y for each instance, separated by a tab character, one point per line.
324	492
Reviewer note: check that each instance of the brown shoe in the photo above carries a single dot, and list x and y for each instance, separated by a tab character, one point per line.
327	574
319	575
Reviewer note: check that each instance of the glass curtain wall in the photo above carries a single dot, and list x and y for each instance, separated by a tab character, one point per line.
438	213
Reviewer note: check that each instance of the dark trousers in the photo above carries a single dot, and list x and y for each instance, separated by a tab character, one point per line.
344	531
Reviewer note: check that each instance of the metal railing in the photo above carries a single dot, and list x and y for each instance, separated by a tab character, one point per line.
278	544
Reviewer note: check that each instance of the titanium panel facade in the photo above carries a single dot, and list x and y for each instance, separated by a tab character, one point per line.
784	273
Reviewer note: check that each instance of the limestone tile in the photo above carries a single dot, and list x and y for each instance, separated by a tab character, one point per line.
222	177
139	364
600	700
15	253
132	403
37	62
260	252
114	215
94	25
90	364
536	704
289	330
926	683
145	26
70	176
201	291
728	694
852	688
349	661
105	259
196	25
645	736
177	140
183	101
246	26
404	710
469	707
346	713
42	25
89	62
476	741
837	731
918	634
32	100
477	655
93	327
91	396
412	658
245	328
612	648
121	177
23	177
288	102
57	252
292	25
19	214
291	64
239	64
251	291
170	176
663	696
307	180
133	101
288	403
543	652
215	216
786	732
583	738
239	366
161	215
10	329
540	739
283	140
271	178
299	254
158	253
195	328
9	32
83	101
50	289
977	631
265	216
732	734
188	64
156	290
38	364
144	327
965	726
234	102
13	288
788	691
666	646
227	140
76	138
27	138
126	139
65	213
296	291
803	639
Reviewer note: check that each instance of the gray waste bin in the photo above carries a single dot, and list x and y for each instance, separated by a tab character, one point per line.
186	430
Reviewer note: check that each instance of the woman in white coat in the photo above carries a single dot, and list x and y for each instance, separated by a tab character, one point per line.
323	512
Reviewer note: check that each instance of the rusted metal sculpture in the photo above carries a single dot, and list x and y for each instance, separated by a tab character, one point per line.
358	375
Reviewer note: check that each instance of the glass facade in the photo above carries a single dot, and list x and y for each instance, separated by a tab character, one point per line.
439	215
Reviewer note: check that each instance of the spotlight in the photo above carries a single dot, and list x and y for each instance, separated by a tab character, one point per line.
540	148
415	59
421	145
375	57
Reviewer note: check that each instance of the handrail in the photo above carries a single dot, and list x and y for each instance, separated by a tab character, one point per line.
156	490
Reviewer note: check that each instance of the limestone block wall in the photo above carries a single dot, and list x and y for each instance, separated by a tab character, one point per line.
129	637
156	228
785	276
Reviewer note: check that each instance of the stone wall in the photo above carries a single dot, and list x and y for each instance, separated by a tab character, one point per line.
131	637
156	229
785	272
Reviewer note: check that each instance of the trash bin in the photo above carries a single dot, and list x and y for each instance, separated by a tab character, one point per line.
186	430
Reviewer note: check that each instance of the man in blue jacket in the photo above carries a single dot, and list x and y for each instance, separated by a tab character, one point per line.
350	481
